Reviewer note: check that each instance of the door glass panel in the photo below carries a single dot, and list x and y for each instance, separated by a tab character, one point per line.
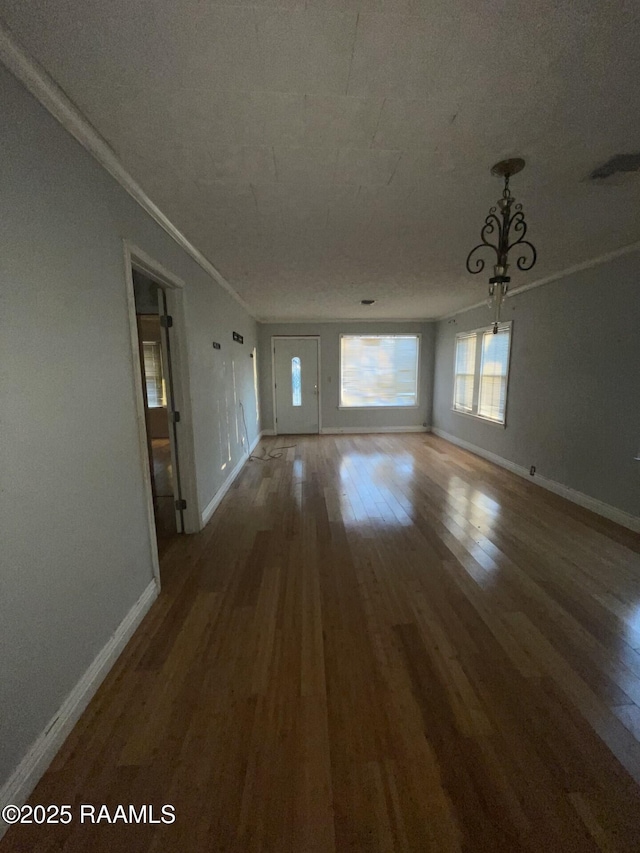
296	382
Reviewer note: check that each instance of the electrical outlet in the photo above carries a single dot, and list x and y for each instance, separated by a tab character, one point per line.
532	470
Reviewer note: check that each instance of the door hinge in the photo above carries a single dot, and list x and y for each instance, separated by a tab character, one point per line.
175	417
166	321
181	504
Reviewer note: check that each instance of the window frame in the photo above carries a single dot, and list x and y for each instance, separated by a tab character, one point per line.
416	405
505	326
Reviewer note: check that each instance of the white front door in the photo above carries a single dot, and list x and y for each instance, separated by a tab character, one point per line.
296	385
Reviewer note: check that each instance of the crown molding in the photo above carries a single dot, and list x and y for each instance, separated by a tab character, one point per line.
594	262
44	88
289	321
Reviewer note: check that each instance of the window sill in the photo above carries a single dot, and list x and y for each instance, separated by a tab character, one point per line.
484	420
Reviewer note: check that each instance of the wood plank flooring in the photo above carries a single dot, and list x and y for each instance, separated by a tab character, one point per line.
379	643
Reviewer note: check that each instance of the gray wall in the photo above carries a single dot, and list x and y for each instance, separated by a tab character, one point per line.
332	416
75	549
573	406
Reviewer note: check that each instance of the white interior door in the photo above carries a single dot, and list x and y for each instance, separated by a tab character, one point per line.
296	385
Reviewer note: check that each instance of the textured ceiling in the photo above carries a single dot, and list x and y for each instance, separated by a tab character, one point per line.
326	151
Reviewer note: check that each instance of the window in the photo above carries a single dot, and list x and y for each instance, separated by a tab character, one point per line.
481	372
378	370
296	382
465	372
153	374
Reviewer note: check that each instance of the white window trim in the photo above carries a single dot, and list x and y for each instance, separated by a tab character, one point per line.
476	386
415	405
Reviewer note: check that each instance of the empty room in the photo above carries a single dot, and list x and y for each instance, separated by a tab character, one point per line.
320	426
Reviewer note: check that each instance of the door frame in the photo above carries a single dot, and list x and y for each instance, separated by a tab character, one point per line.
275	338
173	287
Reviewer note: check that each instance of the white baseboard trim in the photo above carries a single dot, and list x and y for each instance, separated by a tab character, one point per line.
632	522
214	503
268	432
42	752
368	430
256	441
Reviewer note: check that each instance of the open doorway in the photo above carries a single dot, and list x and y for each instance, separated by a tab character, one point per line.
157	390
161	413
154	341
163	400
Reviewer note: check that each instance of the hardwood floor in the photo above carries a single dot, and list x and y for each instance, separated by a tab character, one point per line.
379	643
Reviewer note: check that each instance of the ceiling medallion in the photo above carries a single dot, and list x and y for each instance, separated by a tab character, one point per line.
501	232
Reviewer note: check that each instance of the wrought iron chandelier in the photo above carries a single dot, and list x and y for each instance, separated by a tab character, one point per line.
503	231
